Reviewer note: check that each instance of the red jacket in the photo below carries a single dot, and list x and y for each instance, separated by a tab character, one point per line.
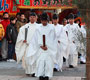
5	23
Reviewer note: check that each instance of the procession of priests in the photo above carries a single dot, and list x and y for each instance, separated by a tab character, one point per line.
43	48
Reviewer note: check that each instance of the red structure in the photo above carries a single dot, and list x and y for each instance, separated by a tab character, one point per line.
13	6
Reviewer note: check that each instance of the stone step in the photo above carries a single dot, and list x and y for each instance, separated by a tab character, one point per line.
30	78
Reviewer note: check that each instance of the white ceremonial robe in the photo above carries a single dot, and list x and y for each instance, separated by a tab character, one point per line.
62	37
22	47
67	51
44	59
73	35
83	44
66	55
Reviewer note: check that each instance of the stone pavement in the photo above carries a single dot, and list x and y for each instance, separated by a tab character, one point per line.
30	78
14	71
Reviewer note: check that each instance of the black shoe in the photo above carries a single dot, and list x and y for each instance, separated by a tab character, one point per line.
0	59
41	78
33	75
71	66
81	62
28	75
55	70
46	78
4	59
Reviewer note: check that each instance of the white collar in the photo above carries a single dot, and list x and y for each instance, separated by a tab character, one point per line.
31	23
72	24
46	25
56	25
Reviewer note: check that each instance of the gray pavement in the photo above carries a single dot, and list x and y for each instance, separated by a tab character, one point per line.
14	71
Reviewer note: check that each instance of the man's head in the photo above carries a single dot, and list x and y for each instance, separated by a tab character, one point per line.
55	19
5	15
32	17
18	16
71	18
22	17
44	19
64	21
13	20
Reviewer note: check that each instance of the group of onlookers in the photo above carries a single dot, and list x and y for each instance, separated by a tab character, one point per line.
9	28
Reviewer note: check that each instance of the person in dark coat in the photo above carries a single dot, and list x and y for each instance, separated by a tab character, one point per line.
21	22
11	35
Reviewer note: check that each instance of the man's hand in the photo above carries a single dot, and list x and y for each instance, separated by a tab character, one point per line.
10	41
59	42
44	48
24	41
73	41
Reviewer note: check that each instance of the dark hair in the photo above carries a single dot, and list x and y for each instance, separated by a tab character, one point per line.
32	14
12	18
64	20
71	16
55	16
44	16
22	14
5	13
18	14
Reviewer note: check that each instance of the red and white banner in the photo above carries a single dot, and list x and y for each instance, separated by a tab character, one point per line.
9	6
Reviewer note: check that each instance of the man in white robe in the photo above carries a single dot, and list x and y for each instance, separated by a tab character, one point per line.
43	49
62	42
73	34
83	45
82	50
82	39
24	39
66	55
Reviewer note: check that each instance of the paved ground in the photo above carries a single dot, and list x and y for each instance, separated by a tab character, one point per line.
14	71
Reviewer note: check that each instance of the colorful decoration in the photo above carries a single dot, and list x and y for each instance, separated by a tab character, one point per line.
9	6
44	4
17	1
3	7
13	6
27	2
